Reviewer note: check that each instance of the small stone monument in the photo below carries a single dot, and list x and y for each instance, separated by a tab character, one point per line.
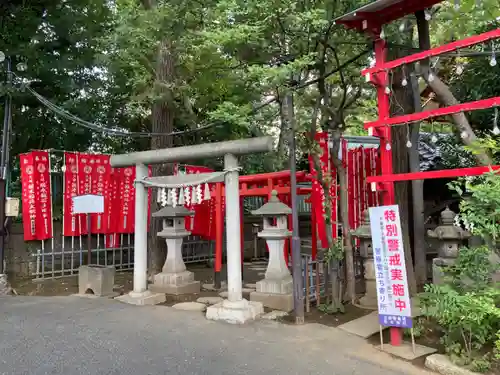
275	290
364	234
451	237
174	278
97	280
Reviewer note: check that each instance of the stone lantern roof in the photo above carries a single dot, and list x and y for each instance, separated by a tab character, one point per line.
169	211
364	230
274	207
448	230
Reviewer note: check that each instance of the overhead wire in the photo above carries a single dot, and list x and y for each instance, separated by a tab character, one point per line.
99	128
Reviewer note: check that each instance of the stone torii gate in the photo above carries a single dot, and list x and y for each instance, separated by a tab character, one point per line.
235	309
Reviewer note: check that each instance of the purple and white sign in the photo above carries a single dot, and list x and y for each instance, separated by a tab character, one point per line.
394	306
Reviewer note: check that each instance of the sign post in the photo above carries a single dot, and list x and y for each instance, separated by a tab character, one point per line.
394	305
88	204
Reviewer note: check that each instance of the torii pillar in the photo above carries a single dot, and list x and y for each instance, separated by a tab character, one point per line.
235	309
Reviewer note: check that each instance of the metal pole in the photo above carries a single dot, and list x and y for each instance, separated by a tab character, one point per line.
4	162
298	298
89	241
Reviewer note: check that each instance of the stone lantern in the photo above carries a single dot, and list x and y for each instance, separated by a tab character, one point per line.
364	234
174	277
275	290
451	238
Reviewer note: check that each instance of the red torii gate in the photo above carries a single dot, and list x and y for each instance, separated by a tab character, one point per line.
370	19
256	185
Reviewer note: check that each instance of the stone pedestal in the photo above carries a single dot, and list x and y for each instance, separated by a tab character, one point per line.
276	289
174	279
363	233
142	298
438	266
237	312
175	283
370	299
97	280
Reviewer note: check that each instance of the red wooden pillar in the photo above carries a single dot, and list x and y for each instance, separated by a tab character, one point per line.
219	234
242	229
314	234
387	193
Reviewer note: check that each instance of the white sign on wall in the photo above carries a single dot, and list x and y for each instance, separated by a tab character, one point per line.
394	306
88	204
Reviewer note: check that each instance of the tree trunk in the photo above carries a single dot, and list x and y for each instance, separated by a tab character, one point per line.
419	244
401	103
444	94
344	214
162	122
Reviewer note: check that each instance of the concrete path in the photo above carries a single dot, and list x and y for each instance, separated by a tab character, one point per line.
75	335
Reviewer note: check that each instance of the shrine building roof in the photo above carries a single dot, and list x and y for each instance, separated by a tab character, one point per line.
377	13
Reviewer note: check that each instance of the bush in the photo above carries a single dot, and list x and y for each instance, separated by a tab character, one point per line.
466	309
467	306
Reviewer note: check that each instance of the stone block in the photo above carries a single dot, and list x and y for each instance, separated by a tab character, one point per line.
142	299
406	351
282	302
98	279
238	312
443	365
275	286
188	288
175	283
173	278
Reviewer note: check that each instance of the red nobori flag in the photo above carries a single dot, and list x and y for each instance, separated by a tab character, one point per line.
150	173
37	199
70	221
85	168
202	223
43	195
28	196
112	208
100	180
126	198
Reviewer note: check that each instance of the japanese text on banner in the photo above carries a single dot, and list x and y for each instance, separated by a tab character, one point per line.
71	225
389	260
37	198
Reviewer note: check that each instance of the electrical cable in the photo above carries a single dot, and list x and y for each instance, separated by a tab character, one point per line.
115	132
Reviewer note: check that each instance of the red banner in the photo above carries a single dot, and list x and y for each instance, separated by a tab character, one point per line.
36	195
317	193
71	225
126	198
203	222
100	179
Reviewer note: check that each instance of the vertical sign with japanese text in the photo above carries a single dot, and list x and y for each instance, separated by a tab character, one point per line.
394	304
28	201
37	197
70	221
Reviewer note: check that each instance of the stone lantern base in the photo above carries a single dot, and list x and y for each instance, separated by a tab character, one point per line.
370	299
437	269
175	283
276	294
